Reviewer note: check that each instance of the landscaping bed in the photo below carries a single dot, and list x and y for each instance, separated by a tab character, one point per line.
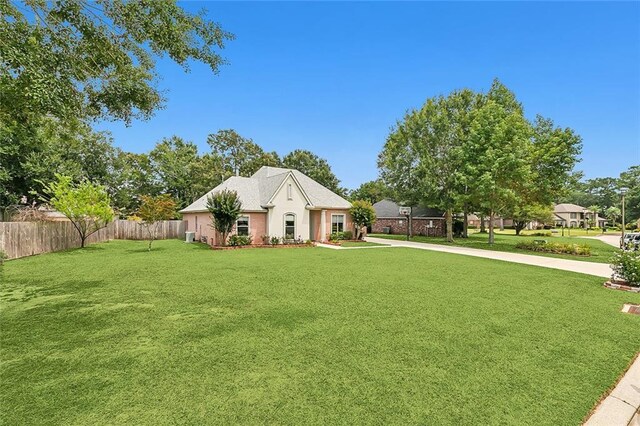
304	245
556	248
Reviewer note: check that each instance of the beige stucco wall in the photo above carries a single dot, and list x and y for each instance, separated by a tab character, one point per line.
283	205
200	223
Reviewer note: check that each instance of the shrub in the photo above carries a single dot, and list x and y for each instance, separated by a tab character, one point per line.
336	236
274	241
540	234
557	248
347	235
626	265
3	257
240	240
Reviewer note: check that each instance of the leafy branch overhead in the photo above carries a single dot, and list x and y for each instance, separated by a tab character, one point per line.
96	59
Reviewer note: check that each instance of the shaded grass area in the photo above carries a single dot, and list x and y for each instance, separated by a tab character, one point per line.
600	252
359	244
184	334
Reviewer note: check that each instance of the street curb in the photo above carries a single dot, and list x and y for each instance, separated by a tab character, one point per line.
622	405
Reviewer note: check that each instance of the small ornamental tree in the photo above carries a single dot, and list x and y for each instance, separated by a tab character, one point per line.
85	204
362	214
154	210
225	208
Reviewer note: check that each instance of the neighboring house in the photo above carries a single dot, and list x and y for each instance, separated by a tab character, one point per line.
475	221
574	216
422	221
275	202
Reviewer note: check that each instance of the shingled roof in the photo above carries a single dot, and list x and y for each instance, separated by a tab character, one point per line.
256	192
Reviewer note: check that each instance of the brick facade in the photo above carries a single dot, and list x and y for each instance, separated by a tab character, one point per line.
431	227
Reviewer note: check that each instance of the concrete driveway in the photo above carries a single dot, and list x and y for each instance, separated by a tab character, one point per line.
613	240
590	268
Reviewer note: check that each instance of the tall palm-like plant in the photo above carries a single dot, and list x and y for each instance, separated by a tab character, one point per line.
225	208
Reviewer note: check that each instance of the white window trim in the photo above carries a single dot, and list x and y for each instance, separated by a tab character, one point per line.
344	221
248	224
284	224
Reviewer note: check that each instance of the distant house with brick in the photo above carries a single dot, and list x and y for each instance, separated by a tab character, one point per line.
422	221
284	203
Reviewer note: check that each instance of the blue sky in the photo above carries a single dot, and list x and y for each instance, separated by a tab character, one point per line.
333	77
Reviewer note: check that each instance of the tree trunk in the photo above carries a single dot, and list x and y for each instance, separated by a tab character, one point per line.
491	235
483	228
449	219
82	240
465	224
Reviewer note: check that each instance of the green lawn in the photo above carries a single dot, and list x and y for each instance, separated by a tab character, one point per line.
186	335
600	252
568	232
359	244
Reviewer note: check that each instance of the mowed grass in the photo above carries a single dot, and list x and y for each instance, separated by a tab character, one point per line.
359	244
600	252
568	232
186	335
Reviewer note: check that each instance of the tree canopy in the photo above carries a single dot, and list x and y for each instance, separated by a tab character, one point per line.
96	59
315	167
475	152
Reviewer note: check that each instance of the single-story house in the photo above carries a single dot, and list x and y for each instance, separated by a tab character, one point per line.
276	202
422	221
574	216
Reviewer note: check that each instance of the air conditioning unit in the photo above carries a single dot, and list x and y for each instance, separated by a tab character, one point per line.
190	237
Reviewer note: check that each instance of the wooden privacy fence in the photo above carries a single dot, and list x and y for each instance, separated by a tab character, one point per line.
19	239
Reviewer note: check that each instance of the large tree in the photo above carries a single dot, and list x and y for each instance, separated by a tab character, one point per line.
172	160
68	62
240	156
552	156
315	167
497	154
32	158
372	191
133	176
422	159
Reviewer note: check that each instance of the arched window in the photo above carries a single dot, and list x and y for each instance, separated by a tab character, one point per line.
289	226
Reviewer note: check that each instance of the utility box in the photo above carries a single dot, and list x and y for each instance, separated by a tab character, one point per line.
386	230
190	237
